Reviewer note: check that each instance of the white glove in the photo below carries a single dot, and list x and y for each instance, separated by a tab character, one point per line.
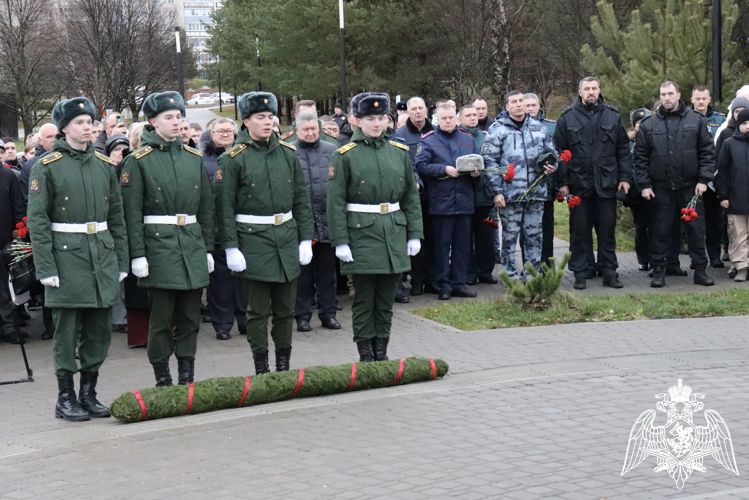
413	247
343	252
211	265
305	252
123	276
235	260
53	281
140	267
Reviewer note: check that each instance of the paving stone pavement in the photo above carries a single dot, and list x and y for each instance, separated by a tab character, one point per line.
542	412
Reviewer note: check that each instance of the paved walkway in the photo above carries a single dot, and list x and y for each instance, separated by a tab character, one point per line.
541	412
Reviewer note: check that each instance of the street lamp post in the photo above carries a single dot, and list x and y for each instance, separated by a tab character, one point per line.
257	48
717	52
180	69
342	32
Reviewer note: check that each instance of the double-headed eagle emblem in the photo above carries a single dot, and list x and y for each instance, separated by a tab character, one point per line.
683	452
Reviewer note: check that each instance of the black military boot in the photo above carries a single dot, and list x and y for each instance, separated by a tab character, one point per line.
283	357
366	351
659	277
87	396
163	377
381	349
701	278
260	357
67	405
186	371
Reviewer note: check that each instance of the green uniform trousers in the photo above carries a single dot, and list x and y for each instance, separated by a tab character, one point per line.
174	324
263	300
95	326
372	310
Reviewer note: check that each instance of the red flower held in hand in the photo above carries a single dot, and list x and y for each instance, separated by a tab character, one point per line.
565	156
510	173
24	220
560	198
19	225
573	202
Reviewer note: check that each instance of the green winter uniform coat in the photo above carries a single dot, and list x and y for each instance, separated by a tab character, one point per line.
263	178
373	171
75	187
168	178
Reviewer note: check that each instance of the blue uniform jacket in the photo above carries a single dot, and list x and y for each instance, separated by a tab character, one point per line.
438	149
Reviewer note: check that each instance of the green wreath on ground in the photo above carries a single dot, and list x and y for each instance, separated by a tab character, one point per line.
233	392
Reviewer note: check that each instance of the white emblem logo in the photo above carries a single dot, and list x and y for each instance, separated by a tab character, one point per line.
682	453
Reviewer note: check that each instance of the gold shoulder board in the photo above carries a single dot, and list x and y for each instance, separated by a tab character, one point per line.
347	147
193	151
331	135
236	150
399	145
282	143
140	153
49	159
103	158
287	135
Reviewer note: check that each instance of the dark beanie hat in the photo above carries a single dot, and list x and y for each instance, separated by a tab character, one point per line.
743	117
114	141
157	103
370	103
256	102
65	111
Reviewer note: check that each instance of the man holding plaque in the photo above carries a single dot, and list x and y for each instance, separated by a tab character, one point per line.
449	183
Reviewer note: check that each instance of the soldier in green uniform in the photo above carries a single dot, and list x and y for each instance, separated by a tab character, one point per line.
374	218
80	251
265	225
169	211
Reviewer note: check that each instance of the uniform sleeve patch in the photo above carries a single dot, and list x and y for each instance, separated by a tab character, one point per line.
219	174
125	179
331	171
34	186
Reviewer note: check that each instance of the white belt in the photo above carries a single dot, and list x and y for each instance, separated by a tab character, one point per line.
175	220
276	219
87	228
382	208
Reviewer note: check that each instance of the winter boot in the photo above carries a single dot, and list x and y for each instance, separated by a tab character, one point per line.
701	278
163	377
366	351
186	371
659	277
260	357
381	349
87	396
283	357
67	405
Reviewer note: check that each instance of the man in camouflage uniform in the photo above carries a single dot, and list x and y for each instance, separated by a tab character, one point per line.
374	219
169	214
265	225
80	252
515	138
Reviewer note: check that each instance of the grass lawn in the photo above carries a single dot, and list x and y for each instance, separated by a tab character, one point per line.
570	308
228	111
625	230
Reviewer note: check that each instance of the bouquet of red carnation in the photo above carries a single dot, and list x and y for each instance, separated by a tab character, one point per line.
689	214
573	201
493	218
565	156
510	173
21	230
545	155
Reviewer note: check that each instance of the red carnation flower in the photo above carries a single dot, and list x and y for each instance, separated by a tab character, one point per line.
573	202
565	156
684	211
19	225
24	220
560	198
510	173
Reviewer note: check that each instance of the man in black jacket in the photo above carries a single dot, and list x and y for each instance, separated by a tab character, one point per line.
314	157
594	133
674	160
47	133
11	213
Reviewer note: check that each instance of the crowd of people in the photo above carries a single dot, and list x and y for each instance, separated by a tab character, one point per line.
367	202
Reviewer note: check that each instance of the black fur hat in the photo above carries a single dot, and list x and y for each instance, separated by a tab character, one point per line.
256	102
65	111
157	103
370	103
